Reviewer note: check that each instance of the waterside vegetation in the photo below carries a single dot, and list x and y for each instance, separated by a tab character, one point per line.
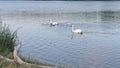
9	51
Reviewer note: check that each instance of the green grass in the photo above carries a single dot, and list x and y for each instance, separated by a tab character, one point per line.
7	41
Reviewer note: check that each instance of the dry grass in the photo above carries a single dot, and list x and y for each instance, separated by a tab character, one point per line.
7	64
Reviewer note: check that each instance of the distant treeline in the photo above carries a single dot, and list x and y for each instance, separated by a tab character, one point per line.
59	0
75	0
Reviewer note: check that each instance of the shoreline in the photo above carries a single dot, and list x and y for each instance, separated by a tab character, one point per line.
11	61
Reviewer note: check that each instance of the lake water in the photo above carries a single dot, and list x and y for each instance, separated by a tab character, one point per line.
98	47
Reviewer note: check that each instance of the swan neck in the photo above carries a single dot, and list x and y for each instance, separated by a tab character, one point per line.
72	28
50	20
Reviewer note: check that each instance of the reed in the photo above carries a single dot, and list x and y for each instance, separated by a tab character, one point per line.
7	41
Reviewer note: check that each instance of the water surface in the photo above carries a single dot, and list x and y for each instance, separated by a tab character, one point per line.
98	47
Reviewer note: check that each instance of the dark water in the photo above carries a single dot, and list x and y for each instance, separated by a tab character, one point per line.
98	47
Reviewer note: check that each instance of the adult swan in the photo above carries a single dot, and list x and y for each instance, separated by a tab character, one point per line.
53	23
77	31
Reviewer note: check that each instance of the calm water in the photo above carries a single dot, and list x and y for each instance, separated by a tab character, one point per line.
98	47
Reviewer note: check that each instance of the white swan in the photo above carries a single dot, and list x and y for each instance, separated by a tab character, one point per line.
53	23
77	31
